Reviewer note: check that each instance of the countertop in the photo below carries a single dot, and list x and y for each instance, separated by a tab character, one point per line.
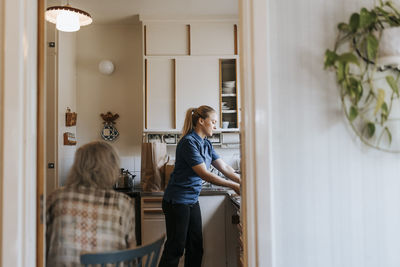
137	193
206	191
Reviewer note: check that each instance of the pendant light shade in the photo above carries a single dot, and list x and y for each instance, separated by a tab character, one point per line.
67	18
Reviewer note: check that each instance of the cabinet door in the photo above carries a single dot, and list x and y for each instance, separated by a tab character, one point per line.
213	39
213	218
153	221
196	84
166	39
152	229
160	94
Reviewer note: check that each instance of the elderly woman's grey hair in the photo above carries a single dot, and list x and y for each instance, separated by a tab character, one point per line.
96	164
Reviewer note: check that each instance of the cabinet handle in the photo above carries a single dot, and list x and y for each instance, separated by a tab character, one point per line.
155	210
152	200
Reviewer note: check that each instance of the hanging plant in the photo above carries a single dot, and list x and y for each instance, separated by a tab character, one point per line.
368	91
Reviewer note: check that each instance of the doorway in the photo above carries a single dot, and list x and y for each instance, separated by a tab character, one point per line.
250	12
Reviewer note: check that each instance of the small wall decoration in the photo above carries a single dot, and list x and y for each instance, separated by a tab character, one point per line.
109	132
69	139
366	61
70	118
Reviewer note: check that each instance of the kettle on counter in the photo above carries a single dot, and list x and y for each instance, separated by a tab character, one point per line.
125	180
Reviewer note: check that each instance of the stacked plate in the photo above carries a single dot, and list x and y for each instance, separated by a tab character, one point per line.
228	87
225	106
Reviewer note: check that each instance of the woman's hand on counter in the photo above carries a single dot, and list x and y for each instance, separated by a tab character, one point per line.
226	170
236	188
208	176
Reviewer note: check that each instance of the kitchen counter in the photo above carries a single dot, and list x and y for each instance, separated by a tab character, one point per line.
206	191
137	194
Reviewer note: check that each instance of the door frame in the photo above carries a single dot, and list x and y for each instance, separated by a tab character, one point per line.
18	132
256	148
23	148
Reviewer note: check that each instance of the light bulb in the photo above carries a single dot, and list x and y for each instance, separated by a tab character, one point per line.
68	21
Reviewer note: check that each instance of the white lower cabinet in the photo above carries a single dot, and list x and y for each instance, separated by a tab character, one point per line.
152	220
214	219
213	216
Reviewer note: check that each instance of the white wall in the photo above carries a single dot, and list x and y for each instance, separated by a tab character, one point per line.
121	92
336	202
66	98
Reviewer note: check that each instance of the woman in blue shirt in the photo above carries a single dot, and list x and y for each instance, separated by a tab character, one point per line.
194	155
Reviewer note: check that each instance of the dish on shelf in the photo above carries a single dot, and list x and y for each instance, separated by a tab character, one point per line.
229	84
225	105
228	90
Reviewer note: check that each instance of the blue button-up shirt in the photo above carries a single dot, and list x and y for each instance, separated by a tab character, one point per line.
184	185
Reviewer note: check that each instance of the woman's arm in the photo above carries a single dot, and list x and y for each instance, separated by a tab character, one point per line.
226	170
208	176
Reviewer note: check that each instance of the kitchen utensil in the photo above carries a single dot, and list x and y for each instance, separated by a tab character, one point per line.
125	180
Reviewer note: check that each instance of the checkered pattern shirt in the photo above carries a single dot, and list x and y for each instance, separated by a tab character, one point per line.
83	219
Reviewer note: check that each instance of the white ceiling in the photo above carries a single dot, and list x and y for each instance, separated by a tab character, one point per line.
126	11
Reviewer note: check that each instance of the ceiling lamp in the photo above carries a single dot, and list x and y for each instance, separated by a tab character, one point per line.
67	18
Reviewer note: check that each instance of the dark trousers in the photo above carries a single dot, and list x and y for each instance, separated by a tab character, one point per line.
184	233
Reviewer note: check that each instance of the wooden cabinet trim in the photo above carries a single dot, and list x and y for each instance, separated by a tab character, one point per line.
235	39
237	93
174	60
220	93
153	211
145	93
189	39
152	199
145	40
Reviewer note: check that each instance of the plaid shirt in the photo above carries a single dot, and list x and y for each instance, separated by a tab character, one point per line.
83	219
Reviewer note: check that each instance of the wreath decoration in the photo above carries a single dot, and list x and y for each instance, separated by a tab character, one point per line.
369	92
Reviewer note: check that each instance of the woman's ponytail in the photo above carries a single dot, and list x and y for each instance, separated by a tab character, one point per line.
193	115
188	123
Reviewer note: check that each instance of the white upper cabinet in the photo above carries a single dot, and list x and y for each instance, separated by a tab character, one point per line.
213	38
166	39
189	64
160	94
196	84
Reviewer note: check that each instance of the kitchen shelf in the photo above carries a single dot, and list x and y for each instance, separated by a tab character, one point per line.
228	95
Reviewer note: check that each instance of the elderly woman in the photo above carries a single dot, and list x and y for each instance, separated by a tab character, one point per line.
87	214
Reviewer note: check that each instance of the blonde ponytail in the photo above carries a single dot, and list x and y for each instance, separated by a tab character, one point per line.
188	124
193	115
